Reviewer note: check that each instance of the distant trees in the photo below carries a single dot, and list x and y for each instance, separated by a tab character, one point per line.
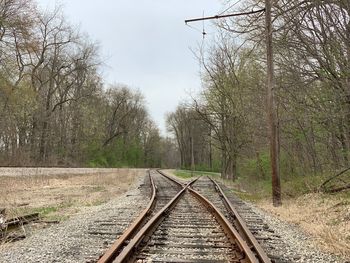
223	112
226	102
126	135
55	109
192	134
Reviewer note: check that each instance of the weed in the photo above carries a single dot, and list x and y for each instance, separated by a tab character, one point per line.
95	202
185	174
98	188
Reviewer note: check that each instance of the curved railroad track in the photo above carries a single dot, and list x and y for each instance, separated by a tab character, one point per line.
184	226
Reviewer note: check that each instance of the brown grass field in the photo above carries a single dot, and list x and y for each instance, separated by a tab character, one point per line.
56	197
325	217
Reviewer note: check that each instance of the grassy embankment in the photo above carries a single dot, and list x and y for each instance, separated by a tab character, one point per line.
326	217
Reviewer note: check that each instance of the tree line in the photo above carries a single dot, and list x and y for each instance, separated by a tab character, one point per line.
55	107
224	128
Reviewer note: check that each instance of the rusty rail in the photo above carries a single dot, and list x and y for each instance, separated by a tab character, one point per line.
171	178
242	227
111	253
127	253
227	226
149	227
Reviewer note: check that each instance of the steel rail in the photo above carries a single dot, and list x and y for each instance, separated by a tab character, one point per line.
227	226
150	225
171	178
156	220
111	253
242	227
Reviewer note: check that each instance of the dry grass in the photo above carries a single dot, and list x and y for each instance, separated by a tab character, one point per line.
59	196
325	217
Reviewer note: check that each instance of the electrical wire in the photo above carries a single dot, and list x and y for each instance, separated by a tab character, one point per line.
203	29
197	29
228	8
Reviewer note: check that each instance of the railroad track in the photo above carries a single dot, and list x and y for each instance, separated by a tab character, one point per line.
160	190
185	226
166	189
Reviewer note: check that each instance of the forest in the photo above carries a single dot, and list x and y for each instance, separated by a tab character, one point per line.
57	110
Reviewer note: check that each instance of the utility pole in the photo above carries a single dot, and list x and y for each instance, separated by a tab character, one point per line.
192	156
271	108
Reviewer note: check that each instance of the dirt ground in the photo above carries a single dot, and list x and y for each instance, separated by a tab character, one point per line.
325	217
56	197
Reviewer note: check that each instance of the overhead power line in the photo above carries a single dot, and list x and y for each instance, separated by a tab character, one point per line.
224	16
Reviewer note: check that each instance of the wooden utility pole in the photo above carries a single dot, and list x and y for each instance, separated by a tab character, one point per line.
192	156
271	108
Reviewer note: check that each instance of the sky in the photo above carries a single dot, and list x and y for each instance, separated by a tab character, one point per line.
146	45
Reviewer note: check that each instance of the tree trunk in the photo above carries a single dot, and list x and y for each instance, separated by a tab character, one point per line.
192	155
344	145
223	164
43	141
33	139
210	153
259	165
276	185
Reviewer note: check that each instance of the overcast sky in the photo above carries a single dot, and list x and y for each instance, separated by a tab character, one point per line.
145	44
